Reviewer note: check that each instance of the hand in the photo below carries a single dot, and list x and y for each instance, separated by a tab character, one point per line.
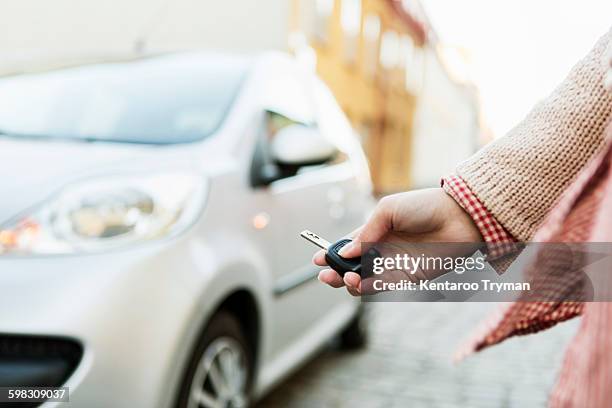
428	215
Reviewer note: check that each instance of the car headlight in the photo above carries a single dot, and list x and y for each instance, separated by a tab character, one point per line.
107	212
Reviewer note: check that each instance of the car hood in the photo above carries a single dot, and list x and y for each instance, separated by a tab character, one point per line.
33	170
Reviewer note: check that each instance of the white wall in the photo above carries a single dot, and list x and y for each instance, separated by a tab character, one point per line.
446	129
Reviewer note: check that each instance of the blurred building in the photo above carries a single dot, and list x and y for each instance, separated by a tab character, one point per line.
381	60
380	57
363	50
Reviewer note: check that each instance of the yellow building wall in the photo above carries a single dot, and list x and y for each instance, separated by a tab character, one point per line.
379	106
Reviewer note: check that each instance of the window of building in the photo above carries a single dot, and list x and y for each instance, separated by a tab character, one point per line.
389	50
406	51
415	71
350	20
324	9
371	37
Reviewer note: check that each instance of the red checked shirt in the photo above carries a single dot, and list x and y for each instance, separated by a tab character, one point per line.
498	240
511	319
586	376
581	215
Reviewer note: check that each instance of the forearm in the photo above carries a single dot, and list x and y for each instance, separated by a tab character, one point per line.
519	177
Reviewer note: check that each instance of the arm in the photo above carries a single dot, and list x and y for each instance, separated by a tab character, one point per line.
498	240
519	177
516	179
525	318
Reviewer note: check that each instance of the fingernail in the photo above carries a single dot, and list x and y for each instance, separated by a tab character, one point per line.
345	249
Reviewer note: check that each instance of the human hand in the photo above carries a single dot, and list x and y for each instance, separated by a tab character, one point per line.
428	215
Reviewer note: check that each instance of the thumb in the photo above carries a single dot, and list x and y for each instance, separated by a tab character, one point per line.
373	230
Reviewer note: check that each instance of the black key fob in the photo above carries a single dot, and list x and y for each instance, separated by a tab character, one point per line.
334	260
340	264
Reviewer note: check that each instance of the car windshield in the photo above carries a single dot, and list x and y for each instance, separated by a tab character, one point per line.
174	98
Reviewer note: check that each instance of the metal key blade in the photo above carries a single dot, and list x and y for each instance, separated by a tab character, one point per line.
315	239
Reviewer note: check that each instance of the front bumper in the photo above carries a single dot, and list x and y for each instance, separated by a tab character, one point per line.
128	312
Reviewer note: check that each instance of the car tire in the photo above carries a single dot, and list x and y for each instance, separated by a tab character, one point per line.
220	368
355	335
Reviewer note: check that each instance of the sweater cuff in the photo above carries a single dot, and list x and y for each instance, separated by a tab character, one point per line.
499	241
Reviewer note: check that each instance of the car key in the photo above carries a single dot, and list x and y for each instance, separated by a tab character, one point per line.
333	259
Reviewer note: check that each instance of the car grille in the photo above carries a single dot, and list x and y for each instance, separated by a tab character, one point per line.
37	361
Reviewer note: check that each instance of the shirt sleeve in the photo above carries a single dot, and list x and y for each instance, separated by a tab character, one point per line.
499	241
519	177
512	319
510	186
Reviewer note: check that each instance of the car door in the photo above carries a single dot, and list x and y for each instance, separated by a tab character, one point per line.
324	198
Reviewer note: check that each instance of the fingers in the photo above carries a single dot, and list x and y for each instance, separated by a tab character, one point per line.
319	258
331	277
376	227
352	281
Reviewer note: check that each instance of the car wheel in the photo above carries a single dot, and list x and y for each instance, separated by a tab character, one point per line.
355	335
220	370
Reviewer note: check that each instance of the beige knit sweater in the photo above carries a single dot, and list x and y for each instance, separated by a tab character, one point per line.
520	176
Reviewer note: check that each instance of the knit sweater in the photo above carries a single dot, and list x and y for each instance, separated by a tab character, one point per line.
521	175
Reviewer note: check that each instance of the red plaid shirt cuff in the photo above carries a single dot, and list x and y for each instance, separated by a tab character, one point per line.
499	241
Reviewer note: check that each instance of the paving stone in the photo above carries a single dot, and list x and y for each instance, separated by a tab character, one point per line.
409	363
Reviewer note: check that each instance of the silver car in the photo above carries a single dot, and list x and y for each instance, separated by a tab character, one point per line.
149	221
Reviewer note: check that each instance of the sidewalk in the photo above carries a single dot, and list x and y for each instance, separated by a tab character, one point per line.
409	363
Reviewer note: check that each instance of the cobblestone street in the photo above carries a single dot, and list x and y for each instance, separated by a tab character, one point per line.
409	364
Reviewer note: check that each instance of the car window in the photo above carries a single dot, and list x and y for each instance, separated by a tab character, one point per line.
288	96
290	101
275	122
166	99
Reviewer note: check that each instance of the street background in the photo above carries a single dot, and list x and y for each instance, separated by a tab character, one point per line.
410	363
425	84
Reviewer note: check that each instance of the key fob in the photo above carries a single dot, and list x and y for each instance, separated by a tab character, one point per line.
334	260
340	264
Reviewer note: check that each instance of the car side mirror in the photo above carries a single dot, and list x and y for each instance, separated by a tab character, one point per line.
299	145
